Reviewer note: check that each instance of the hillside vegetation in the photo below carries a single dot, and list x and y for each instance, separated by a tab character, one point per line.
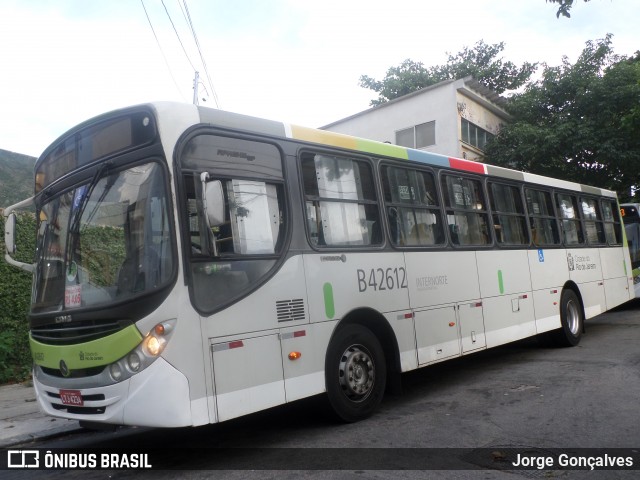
16	177
15	294
16	183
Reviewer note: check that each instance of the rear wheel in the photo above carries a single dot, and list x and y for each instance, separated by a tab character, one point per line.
355	373
571	319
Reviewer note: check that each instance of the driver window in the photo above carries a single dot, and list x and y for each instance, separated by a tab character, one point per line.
253	219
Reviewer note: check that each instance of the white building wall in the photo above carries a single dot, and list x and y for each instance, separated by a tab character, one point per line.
443	103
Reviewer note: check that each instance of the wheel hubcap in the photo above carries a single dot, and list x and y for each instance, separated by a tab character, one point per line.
573	317
357	372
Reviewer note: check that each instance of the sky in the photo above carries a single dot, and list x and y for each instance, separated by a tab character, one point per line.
298	61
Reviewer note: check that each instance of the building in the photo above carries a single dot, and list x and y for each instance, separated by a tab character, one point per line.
454	118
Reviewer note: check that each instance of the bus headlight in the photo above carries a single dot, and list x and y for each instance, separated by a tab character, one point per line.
116	371
156	339
153	346
144	354
133	360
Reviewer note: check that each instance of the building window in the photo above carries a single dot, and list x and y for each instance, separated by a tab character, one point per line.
418	136
474	135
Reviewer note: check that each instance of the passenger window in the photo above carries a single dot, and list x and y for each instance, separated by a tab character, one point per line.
593	225
571	225
340	201
612	226
542	219
466	211
508	215
412	207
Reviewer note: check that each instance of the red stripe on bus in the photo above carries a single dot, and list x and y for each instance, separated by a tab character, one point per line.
300	333
466	165
236	344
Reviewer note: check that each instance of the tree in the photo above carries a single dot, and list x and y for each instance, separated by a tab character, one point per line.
579	122
406	78
564	7
481	62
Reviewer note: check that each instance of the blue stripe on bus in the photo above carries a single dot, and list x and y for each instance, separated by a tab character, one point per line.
428	157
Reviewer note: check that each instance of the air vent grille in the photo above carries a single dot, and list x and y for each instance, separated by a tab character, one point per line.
290	310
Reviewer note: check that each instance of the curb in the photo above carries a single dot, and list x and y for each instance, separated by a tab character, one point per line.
39	436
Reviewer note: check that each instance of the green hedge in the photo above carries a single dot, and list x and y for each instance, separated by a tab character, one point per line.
15	295
105	253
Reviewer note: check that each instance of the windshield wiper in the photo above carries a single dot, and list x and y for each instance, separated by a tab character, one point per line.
74	229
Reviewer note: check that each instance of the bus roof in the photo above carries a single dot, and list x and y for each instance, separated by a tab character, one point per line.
249	124
361	145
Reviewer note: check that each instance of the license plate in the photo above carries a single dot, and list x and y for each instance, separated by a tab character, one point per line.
71	397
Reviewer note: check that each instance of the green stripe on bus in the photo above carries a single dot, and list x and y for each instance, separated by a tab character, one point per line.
378	148
95	353
500	282
329	307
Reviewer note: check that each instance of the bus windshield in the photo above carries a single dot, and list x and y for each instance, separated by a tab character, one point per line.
105	241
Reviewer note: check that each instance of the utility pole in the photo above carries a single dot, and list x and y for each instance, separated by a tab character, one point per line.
195	88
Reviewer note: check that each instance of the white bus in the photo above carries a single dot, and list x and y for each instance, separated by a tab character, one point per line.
631	219
194	265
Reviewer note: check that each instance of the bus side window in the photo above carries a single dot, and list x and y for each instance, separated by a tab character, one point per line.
414	215
341	204
508	214
466	211
542	218
593	225
611	219
569	216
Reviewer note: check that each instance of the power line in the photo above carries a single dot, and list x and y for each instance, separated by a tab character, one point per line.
177	35
161	50
204	64
187	16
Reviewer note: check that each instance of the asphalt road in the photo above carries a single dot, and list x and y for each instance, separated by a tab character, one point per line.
464	411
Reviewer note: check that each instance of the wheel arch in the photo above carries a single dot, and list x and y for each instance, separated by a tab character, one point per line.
571	285
380	327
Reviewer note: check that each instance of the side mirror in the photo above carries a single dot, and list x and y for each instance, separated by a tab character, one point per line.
212	201
10	234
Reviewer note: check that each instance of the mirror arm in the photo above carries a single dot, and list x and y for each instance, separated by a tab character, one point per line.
9	212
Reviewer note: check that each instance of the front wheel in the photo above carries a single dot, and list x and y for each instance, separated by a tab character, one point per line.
355	373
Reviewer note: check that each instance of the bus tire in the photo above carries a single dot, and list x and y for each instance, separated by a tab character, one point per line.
571	320
355	373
